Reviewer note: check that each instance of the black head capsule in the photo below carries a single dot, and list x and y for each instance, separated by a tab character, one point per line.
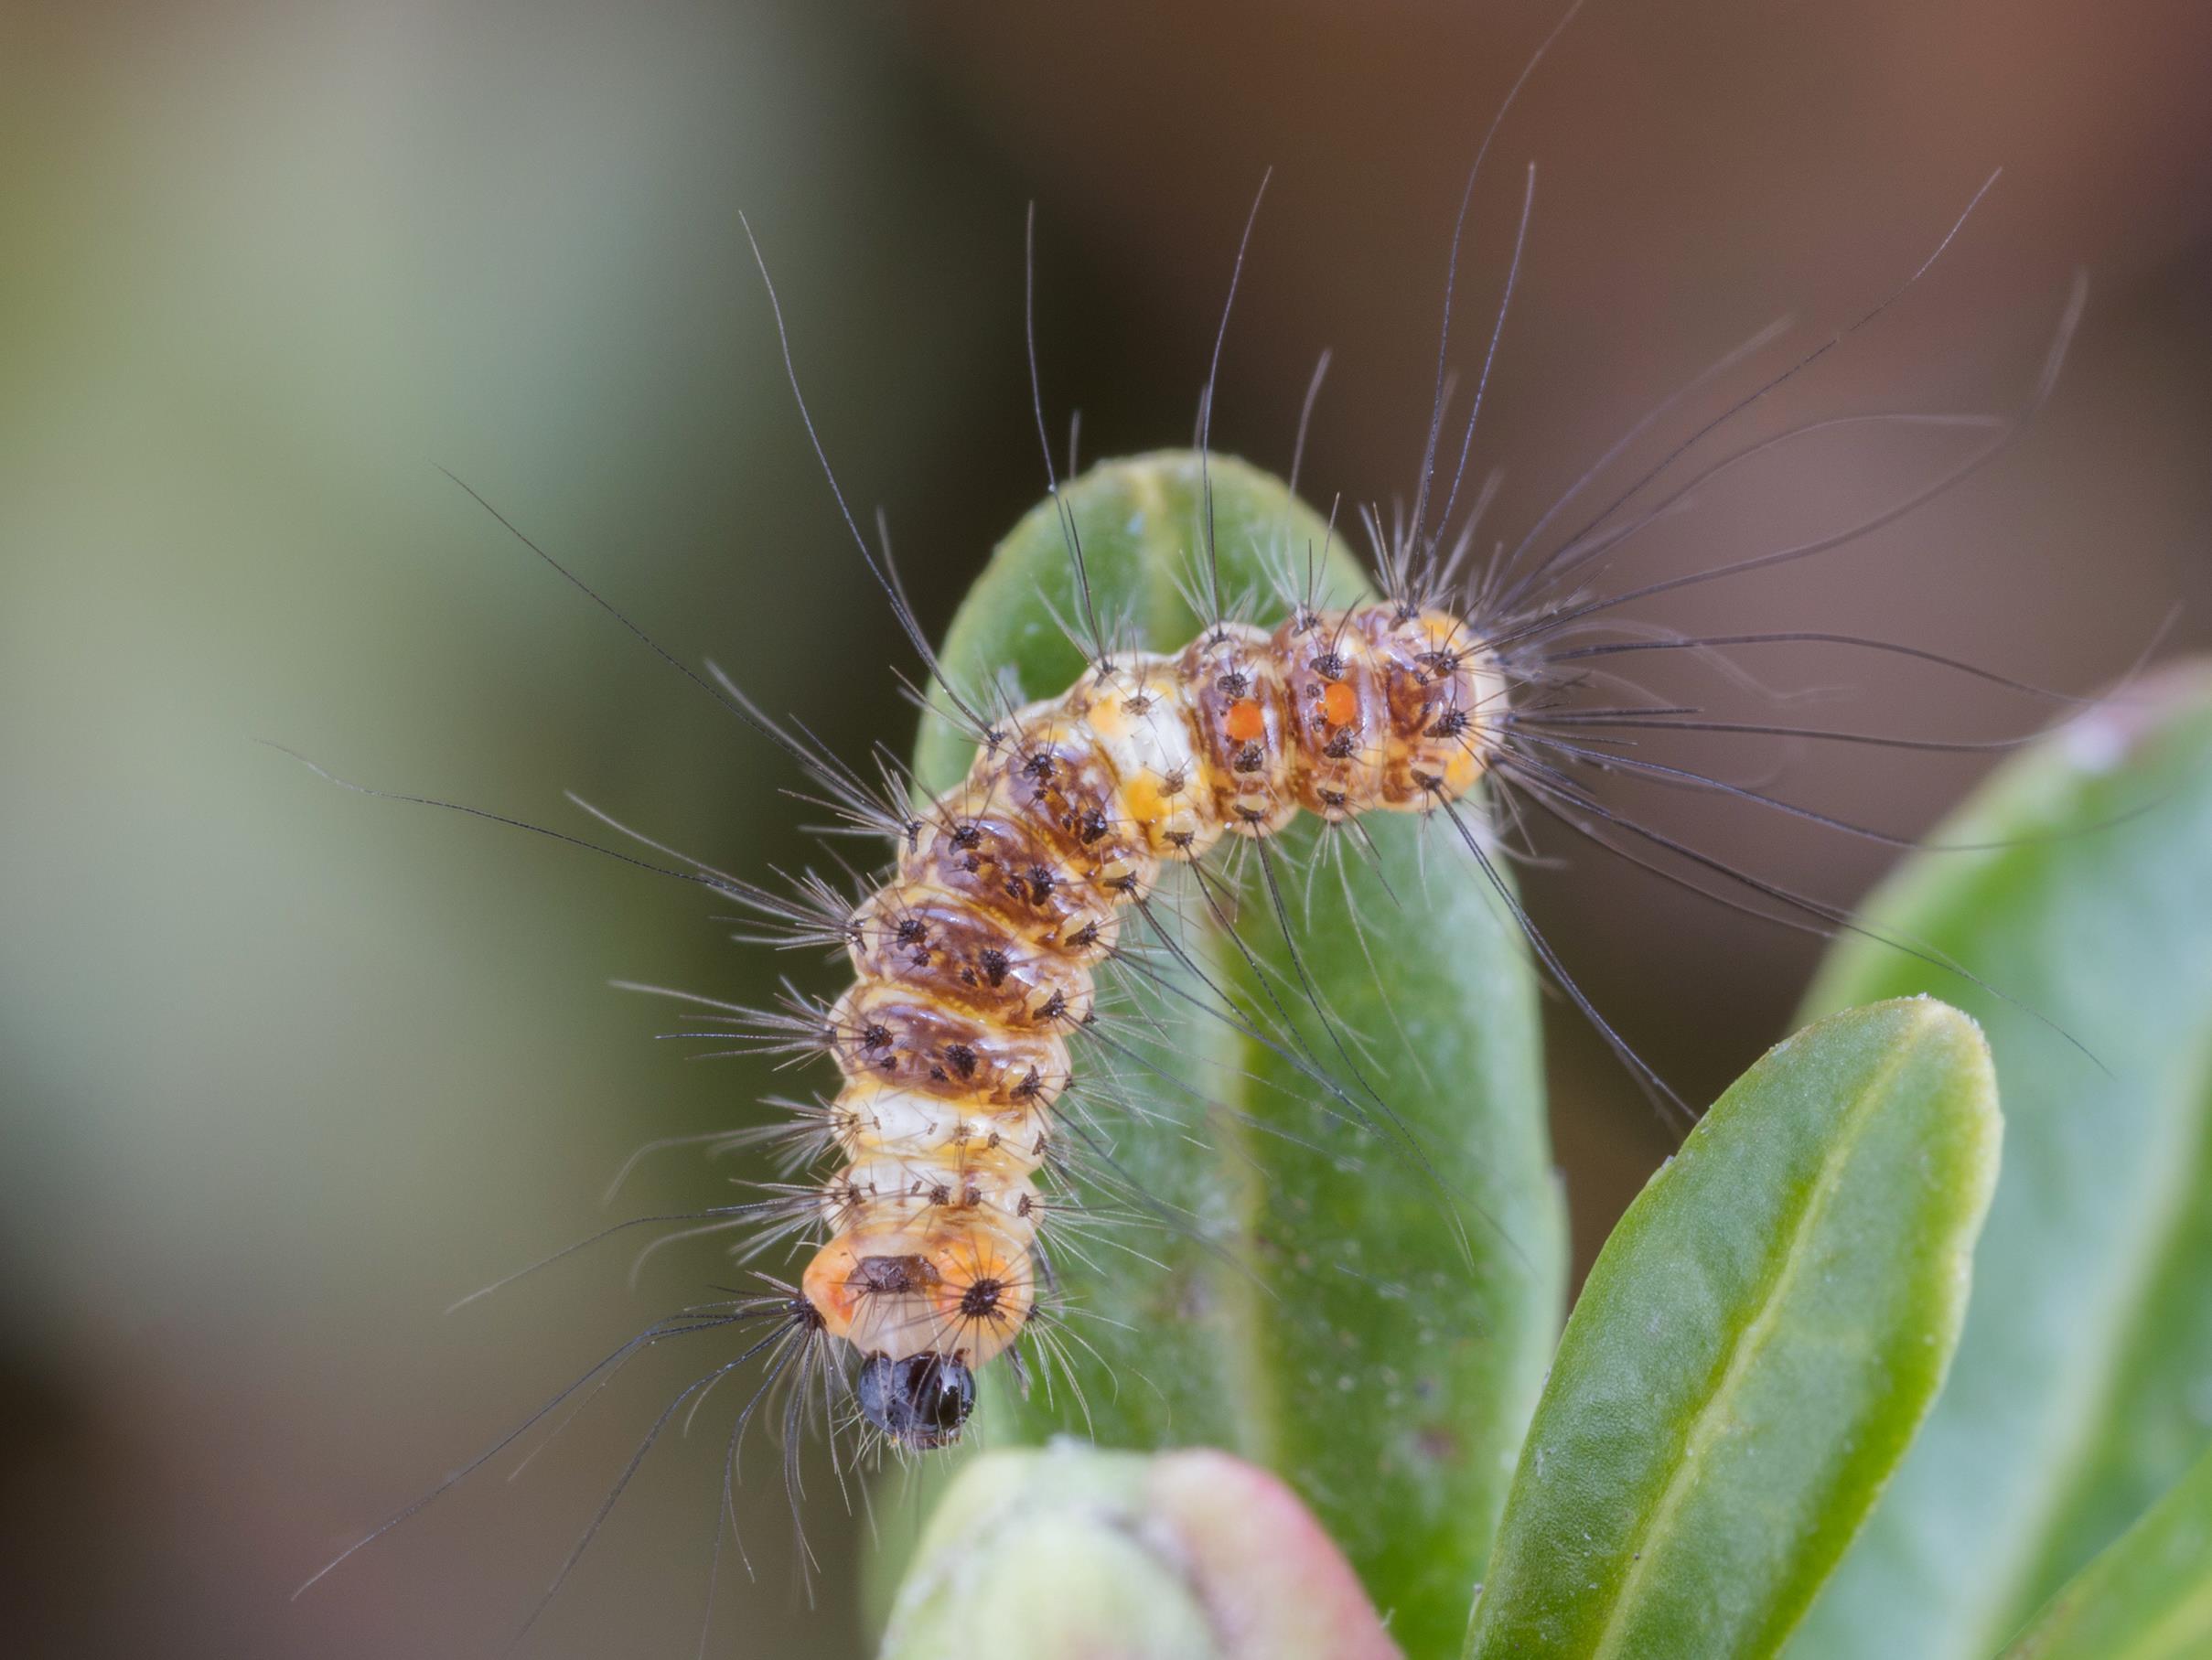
920	1401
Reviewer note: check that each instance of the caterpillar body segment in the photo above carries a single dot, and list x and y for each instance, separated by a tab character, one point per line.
976	961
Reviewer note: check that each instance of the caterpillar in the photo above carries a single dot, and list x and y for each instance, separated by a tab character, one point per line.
975	961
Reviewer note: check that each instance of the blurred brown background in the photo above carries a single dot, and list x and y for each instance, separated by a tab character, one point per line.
282	1069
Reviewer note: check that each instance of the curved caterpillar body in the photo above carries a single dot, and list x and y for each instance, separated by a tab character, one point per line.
975	960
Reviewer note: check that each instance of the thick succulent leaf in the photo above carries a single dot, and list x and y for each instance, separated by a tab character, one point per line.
1334	1246
1070	1554
1758	1340
2147	1597
2081	1389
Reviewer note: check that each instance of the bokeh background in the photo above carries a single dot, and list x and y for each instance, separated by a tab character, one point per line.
282	1069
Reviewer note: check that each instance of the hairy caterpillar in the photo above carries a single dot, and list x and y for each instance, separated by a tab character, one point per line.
976	959
922	1288
976	962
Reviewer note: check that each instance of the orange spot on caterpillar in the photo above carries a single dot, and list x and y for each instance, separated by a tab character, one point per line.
1339	705
1246	723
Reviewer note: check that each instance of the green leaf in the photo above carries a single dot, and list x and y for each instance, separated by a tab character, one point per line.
2079	1392
2147	1597
1073	1555
1753	1351
1364	1308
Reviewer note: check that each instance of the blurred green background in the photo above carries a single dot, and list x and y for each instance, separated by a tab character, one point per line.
284	1069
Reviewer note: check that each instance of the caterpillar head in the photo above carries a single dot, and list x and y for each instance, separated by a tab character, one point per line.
920	1401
